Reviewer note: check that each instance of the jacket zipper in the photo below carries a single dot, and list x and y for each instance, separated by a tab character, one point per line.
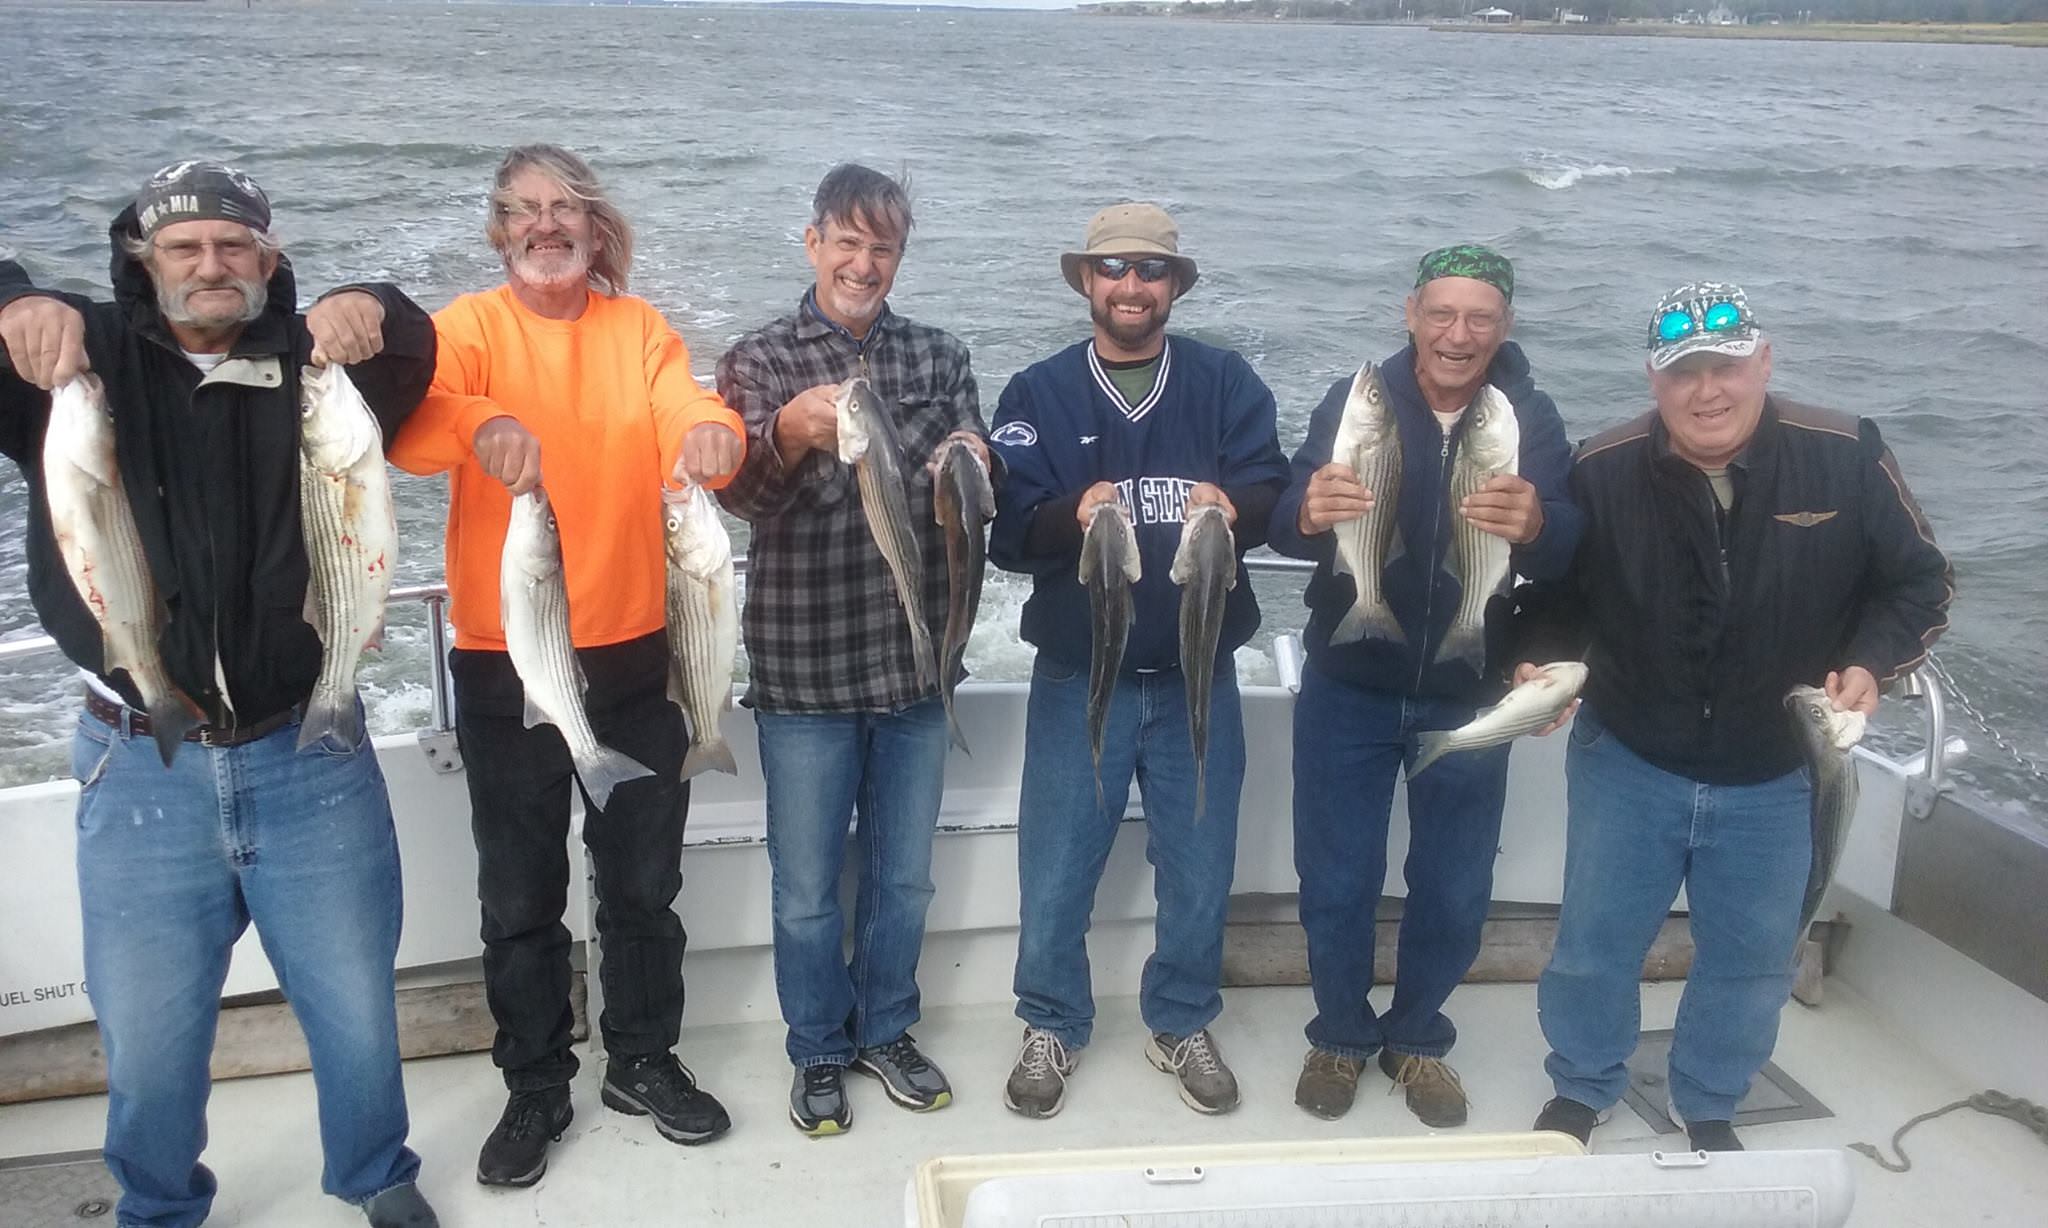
1436	530
1720	518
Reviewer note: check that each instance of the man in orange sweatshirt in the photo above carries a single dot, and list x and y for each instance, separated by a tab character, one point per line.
560	366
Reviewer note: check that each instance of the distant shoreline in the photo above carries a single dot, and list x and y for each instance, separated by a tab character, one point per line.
2018	34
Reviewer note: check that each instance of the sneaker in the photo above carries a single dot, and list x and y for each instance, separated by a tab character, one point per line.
657	1085
1712	1136
1432	1088
1206	1084
401	1206
1328	1083
907	1074
516	1153
1038	1082
1566	1116
817	1101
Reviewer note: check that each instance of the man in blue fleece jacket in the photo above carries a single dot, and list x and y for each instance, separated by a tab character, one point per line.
1364	704
1161	424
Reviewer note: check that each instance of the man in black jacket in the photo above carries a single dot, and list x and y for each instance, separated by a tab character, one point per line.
200	355
1736	545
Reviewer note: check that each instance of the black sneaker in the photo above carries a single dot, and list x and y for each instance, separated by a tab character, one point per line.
401	1206
1712	1136
907	1074
516	1153
1567	1116
657	1085
817	1101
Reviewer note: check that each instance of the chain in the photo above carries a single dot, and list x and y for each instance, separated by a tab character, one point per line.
1955	692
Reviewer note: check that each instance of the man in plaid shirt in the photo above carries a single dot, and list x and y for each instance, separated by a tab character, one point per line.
844	725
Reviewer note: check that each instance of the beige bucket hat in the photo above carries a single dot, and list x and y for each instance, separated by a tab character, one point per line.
1136	231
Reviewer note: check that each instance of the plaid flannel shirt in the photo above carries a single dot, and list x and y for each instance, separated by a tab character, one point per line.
825	631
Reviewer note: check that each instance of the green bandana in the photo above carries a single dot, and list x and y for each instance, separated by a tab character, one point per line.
1472	260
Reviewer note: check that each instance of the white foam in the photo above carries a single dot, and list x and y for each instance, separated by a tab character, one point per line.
1554	177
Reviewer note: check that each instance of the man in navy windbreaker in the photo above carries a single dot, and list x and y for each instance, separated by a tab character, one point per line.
1363	704
1160	424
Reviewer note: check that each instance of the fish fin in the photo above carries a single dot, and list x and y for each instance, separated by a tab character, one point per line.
607	770
953	724
1466	644
1368	622
1397	547
376	640
310	611
171	717
533	716
678	686
710	757
1201	789
331	715
1430	747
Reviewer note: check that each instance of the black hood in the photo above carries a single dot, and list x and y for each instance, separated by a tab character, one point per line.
137	295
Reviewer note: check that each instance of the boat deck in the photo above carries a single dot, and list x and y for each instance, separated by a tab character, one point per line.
614	1170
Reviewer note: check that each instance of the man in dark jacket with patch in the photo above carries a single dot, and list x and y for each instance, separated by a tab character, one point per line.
200	356
1365	703
1737	544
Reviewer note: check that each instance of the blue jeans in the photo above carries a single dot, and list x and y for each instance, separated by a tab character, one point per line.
1634	834
888	770
1064	837
1348	744
173	864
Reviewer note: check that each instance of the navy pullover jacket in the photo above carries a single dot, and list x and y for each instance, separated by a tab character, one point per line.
1061	426
1419	584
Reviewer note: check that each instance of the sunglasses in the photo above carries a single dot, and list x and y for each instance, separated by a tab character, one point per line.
1722	316
1113	268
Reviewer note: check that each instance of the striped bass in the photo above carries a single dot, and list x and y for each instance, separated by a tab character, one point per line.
1369	442
1205	567
1492	445
102	551
703	624
1109	567
868	442
533	599
350	528
963	502
1826	735
1525	709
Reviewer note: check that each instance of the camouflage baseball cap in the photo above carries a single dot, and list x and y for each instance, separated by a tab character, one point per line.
1705	317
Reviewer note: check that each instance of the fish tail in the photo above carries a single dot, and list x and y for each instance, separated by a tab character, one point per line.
1463	643
1201	789
710	757
1430	747
604	771
1375	621
953	725
330	714
171	717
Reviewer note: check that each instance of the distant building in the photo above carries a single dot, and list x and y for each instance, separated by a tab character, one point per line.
1565	17
1494	17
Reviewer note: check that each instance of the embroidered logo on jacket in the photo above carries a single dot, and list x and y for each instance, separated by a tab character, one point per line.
1805	520
1015	435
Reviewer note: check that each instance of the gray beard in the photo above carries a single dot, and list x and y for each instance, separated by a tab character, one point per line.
172	301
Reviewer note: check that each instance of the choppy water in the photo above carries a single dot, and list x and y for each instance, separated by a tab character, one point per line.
1885	205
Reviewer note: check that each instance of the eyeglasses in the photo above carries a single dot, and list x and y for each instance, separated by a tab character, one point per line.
1720	316
189	251
1113	268
528	212
1479	323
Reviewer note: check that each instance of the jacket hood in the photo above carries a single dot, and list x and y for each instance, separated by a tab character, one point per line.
137	295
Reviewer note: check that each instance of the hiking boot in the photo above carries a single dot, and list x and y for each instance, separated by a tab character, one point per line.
516	1153
1433	1091
1038	1082
1328	1083
401	1206
1567	1116
906	1074
657	1085
1712	1136
1206	1084
817	1101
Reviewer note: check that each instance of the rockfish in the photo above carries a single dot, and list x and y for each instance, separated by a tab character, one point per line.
1109	567
102	550
1205	567
868	442
703	623
1492	446
1826	736
351	533
1369	443
1527	708
963	503
533	598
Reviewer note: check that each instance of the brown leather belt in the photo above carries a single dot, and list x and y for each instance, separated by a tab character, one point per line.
136	724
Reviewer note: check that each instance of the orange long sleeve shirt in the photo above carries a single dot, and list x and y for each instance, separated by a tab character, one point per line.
610	397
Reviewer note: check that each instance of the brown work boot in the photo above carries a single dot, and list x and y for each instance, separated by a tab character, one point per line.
1434	1093
1328	1083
